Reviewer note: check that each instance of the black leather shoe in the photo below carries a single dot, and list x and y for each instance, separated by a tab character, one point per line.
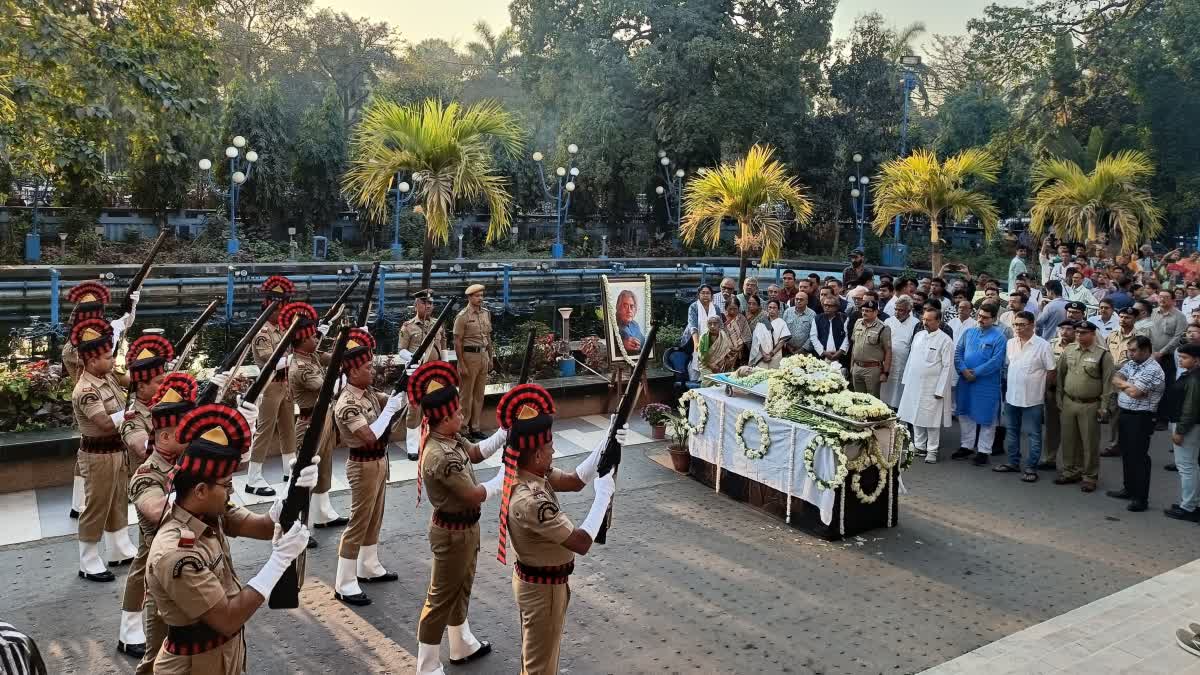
120	563
382	578
1047	466
1118	494
412	457
267	491
485	648
1170	467
286	478
103	576
1179	514
136	651
312	543
962	453
74	514
358	599
336	522
981	459
1137	506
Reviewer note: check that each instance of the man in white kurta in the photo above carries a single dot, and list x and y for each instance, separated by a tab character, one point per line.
901	325
925	402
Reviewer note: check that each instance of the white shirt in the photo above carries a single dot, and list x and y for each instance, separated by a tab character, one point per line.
1189	305
1105	327
1028	364
830	344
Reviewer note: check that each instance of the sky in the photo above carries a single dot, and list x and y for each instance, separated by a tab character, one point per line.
453	19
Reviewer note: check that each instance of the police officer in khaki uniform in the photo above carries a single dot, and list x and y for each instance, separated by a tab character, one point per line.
871	356
147	365
148	490
473	345
1053	437
362	415
542	536
277	415
446	474
306	375
1085	372
412	334
99	405
190	573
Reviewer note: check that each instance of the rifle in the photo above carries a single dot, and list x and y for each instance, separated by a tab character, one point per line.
402	383
364	312
183	348
210	393
136	283
341	300
610	458
528	358
286	594
267	372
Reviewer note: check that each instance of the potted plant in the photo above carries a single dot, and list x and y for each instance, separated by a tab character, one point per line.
681	459
656	414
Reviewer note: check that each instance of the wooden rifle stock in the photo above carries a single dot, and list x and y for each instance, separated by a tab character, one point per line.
286	594
141	275
210	392
341	299
528	358
364	312
610	458
402	383
267	373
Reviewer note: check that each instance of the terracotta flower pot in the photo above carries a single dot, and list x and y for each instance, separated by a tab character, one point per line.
681	459
658	432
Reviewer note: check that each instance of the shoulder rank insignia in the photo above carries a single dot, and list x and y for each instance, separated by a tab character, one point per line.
187	539
143	470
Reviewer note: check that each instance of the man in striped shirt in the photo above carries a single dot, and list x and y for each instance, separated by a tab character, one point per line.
1140	384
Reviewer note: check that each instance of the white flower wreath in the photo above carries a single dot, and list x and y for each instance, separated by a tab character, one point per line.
907	451
764	434
702	407
871	459
839	473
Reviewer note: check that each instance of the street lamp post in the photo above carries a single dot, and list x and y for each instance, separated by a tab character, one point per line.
566	177
896	254
672	192
240	169
858	196
401	195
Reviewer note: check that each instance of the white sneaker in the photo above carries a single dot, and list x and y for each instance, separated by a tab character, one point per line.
931	456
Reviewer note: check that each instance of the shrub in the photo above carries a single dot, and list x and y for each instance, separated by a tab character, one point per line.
34	396
656	414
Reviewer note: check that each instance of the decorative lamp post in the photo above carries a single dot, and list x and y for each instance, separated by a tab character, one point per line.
896	253
858	196
672	192
565	177
240	168
401	195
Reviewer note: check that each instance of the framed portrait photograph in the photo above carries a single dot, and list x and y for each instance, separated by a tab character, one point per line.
626	316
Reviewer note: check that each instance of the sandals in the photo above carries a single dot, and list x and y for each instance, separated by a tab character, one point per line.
1005	468
1029	477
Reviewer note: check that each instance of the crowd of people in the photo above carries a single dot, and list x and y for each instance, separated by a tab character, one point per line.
1083	356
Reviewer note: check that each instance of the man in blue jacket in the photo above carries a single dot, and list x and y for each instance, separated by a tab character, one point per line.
979	360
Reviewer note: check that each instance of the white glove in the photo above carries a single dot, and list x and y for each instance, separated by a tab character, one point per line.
494	486
489	445
587	468
405	356
283	362
286	548
365	329
605	487
308	475
337	386
276	509
323	329
393	405
220	379
408	372
134	297
118	328
249	411
171	364
117	417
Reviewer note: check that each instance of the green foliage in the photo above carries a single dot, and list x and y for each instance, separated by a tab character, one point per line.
322	148
33	396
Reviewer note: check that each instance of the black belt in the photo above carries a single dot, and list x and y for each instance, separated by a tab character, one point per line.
194	639
306	413
1127	411
455	521
1082	400
558	574
473	350
101	445
369	453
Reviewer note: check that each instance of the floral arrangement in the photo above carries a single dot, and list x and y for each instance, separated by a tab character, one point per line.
701	404
764	434
852	404
34	396
655	414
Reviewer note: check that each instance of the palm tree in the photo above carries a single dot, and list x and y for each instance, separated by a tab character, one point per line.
447	149
1077	204
920	185
496	52
749	191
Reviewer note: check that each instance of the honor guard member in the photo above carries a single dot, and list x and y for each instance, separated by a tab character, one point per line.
445	472
147	365
190	574
542	536
148	490
306	375
362	414
871	355
276	426
99	405
473	346
1085	399
412	334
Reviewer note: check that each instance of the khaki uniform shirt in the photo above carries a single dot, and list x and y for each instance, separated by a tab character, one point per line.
870	340
1058	347
537	527
474	326
413	332
265	342
355	409
446	469
95	395
149	482
136	428
188	578
1118	346
305	377
1086	373
71	361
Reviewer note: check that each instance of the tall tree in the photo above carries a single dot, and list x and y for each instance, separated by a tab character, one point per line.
322	155
1078	203
349	54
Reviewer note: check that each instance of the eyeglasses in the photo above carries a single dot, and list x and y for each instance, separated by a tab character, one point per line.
1023	324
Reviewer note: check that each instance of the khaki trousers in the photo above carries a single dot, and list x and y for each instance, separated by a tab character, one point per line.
455	553
276	426
1053	438
368	486
156	634
473	370
106	489
865	379
324	449
543	609
135	582
1080	439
